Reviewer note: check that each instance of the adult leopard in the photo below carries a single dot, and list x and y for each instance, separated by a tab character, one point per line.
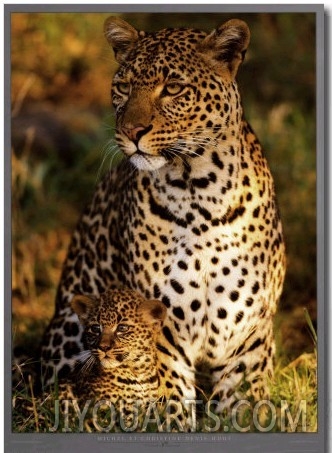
189	217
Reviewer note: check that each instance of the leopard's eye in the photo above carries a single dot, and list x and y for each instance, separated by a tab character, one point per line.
123	87
95	328
122	328
173	88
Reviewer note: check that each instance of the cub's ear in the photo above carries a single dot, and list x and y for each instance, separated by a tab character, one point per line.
121	36
82	306
226	46
152	311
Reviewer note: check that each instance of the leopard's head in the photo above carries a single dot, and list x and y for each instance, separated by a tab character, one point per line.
120	327
175	92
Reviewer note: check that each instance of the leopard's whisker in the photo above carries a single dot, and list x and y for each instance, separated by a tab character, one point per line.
108	151
88	365
83	355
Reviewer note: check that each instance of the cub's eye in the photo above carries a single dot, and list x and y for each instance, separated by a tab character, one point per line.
122	328
173	88
95	328
123	88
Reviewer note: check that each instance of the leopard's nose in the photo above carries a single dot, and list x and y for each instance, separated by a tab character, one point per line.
134	133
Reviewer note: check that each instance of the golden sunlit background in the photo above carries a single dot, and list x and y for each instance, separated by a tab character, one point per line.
62	121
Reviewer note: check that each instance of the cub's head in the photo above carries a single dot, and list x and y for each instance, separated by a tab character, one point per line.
174	91
119	327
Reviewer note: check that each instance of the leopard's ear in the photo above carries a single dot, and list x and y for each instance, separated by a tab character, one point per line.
152	311
82	306
226	46
121	36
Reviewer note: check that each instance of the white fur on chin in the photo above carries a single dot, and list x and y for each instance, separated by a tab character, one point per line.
149	163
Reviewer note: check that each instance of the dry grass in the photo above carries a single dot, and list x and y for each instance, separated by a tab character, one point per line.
291	408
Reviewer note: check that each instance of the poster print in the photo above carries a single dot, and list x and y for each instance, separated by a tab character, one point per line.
193	221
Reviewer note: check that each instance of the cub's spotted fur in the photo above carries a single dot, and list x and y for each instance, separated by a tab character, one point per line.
189	217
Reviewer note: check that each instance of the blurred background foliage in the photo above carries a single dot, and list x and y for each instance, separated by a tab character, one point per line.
62	123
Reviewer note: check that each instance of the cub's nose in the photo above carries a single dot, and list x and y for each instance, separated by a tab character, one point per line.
106	343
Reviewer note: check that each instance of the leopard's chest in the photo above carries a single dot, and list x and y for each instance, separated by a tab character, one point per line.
181	251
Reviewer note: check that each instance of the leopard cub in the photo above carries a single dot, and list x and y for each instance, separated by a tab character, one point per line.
119	364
